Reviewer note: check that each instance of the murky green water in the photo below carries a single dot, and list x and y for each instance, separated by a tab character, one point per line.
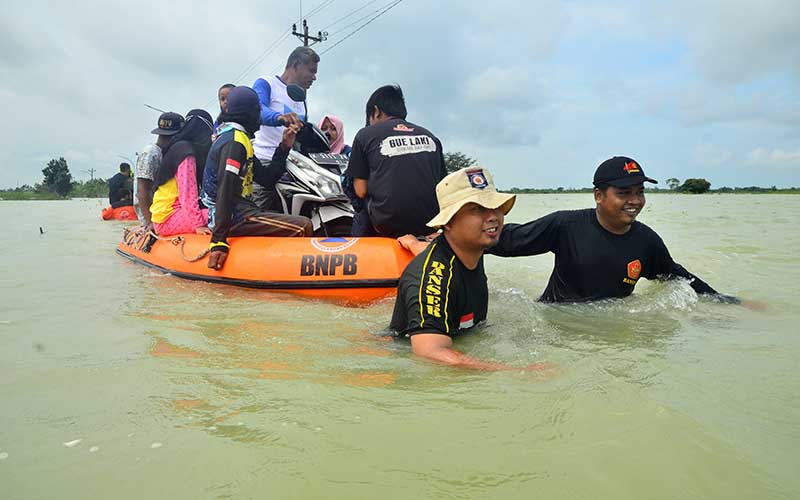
178	389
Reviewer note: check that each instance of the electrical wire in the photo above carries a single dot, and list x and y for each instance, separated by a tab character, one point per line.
266	52
357	21
386	9
349	14
318	8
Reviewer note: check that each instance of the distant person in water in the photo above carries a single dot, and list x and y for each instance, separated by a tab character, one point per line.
394	168
222	96
602	252
230	170
120	187
149	161
175	207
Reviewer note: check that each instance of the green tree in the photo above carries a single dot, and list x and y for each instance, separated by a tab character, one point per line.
95	188
673	183
57	178
695	186
457	161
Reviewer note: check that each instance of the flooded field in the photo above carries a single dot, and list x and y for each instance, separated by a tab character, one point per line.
119	382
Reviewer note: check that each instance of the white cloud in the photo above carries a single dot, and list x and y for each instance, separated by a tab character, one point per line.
774	157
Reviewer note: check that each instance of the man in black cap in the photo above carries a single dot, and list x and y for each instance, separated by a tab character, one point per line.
149	160
601	252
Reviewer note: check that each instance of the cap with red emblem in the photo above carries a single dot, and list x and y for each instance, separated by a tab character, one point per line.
620	171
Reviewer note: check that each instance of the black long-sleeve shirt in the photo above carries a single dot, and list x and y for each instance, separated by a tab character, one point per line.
120	190
591	262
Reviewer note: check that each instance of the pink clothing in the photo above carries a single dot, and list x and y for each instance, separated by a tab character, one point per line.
338	144
187	215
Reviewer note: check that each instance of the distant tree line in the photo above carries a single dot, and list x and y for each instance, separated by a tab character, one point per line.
58	183
689	186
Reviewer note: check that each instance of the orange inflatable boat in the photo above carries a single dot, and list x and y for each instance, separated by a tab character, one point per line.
348	270
120	213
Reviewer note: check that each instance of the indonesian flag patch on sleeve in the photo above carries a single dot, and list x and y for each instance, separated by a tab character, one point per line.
232	165
467	320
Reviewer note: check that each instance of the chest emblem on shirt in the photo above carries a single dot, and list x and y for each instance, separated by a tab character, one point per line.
634	271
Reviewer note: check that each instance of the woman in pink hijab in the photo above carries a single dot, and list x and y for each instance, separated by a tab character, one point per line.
333	127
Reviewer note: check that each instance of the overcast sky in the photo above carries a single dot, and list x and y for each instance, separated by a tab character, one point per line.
538	91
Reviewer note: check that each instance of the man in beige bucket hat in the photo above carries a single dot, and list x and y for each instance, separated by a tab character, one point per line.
443	290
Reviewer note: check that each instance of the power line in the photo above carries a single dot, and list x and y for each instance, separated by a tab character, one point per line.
318	8
384	11
349	14
263	55
365	16
271	47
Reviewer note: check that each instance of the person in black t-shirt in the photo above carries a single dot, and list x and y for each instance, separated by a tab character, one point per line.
395	166
120	187
443	290
602	252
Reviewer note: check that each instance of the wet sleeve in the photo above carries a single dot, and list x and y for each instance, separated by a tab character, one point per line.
186	177
232	158
268	116
664	268
267	175
357	167
532	238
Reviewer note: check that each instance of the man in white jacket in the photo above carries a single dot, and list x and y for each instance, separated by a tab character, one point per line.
279	110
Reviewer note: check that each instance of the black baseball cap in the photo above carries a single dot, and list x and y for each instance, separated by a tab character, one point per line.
620	171
169	123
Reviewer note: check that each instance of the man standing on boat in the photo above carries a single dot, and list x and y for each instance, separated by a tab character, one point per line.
228	180
602	252
278	110
149	161
443	291
394	167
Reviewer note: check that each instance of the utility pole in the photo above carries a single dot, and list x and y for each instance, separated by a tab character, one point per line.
91	172
305	37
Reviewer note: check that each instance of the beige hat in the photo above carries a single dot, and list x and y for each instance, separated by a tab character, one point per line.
471	184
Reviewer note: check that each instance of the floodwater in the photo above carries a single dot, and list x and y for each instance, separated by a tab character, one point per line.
118	382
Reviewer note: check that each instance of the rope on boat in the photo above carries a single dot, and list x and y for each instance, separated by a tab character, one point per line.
142	239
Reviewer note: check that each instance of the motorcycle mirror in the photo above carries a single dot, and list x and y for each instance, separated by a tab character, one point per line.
296	93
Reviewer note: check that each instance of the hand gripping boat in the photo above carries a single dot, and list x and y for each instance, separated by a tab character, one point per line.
349	270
